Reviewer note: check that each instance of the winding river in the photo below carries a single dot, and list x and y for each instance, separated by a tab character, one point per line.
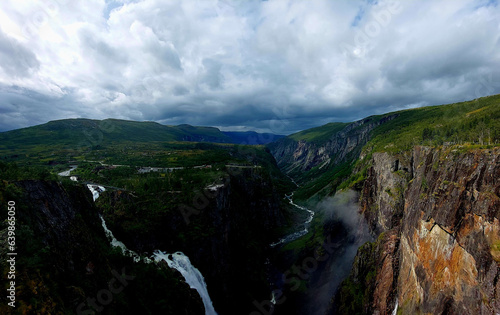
304	226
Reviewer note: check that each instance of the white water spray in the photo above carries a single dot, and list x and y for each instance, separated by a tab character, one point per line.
68	172
95	190
395	311
181	263
178	260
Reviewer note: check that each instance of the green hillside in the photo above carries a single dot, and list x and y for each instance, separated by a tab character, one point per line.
73	131
318	134
465	125
113	141
475	122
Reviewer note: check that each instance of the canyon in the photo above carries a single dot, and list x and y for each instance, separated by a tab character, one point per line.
391	214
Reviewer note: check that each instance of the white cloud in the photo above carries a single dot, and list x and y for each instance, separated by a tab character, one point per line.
239	63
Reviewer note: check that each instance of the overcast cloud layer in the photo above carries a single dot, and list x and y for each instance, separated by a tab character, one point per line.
276	65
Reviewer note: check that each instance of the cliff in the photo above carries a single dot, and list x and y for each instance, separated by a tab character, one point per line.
225	229
298	154
437	210
64	260
319	159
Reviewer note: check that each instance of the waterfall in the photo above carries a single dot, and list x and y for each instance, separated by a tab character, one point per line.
181	263
96	190
177	261
395	311
68	172
117	243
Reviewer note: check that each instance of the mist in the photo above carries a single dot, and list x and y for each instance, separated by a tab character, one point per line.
343	207
348	230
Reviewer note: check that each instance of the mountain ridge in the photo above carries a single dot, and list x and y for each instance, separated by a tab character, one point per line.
134	131
317	157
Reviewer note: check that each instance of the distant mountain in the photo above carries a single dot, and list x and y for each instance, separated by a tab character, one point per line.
89	132
251	137
67	131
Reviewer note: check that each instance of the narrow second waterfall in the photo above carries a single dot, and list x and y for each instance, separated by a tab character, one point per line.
395	311
177	260
96	190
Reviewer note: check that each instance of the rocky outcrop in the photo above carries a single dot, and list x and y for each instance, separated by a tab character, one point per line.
295	157
450	233
441	208
382	201
64	259
370	286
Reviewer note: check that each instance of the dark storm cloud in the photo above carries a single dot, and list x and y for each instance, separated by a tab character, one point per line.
279	65
16	59
36	108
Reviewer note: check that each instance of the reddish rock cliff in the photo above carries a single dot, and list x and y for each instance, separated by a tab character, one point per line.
439	212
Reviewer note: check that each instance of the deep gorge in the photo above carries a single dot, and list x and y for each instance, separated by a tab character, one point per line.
378	216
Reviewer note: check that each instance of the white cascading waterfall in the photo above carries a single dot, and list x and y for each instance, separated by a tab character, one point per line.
395	311
117	243
181	263
177	261
95	190
68	172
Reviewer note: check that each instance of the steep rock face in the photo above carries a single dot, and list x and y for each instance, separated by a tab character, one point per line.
445	226
383	191
370	286
225	232
63	218
244	216
299	156
450	232
64	258
376	267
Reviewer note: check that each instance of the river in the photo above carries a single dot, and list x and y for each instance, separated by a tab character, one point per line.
303	228
343	231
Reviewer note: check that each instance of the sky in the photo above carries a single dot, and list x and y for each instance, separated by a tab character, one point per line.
272	66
